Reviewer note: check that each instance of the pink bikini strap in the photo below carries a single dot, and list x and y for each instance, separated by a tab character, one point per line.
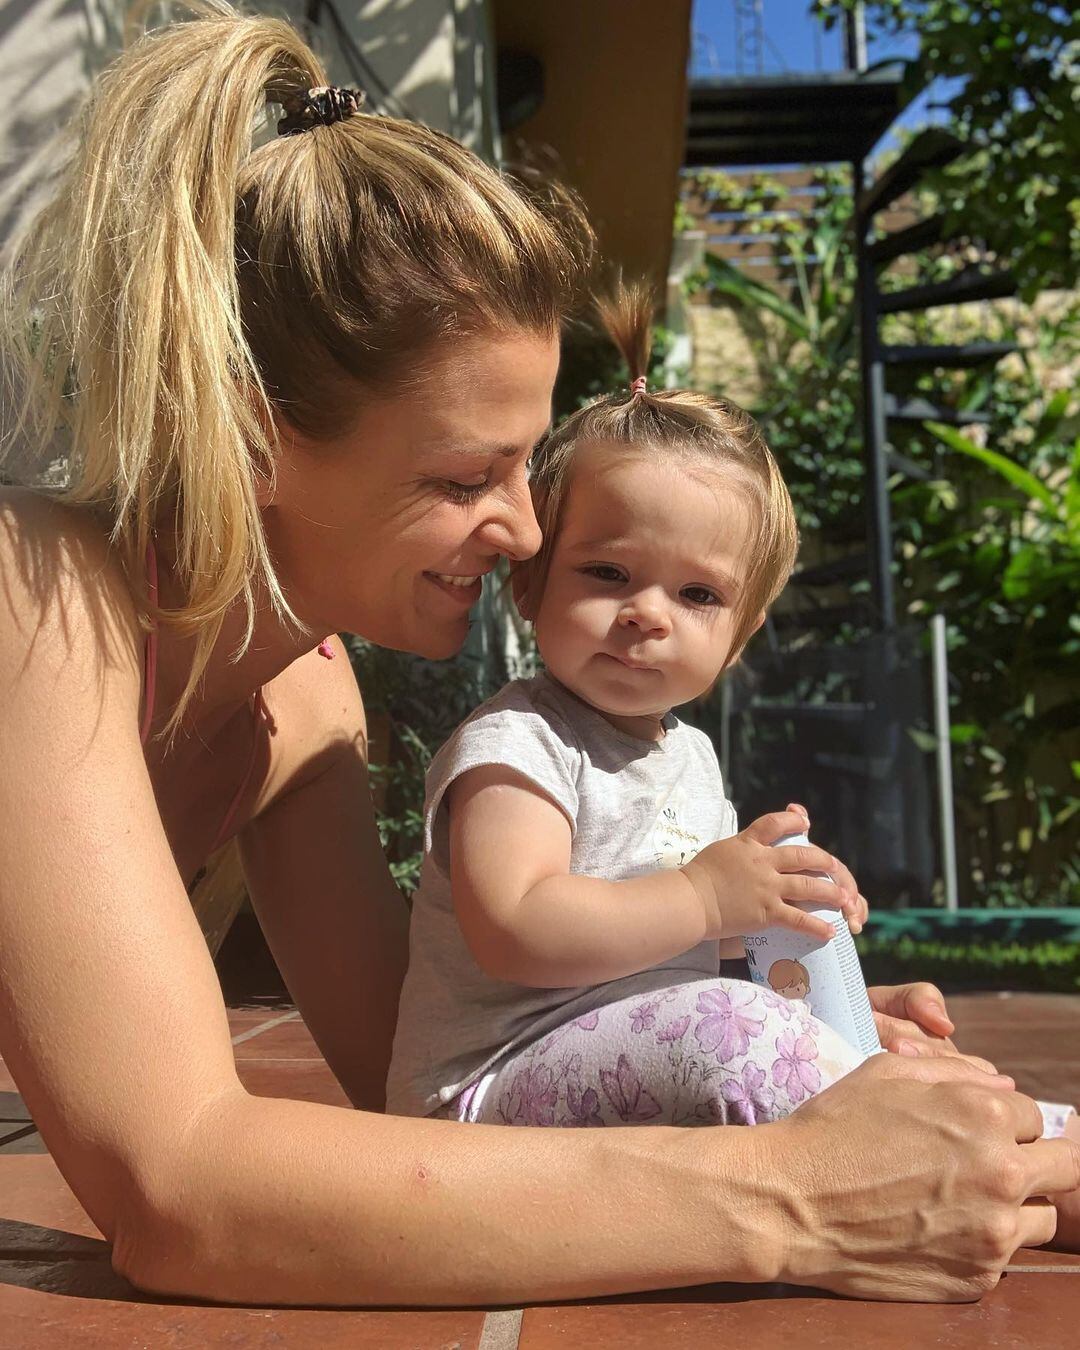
150	650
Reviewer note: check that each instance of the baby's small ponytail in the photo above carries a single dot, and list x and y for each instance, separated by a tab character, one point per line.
626	313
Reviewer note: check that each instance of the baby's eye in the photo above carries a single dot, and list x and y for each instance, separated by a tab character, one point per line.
701	595
604	572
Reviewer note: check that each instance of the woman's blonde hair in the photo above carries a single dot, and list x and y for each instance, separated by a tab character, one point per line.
666	421
183	290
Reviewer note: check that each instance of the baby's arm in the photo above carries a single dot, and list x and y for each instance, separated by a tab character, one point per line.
527	920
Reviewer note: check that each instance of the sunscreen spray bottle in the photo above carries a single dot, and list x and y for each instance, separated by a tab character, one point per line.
825	974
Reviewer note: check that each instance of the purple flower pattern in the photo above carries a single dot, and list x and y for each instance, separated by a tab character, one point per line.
642	1018
532	1097
622	1087
749	1097
674	1031
794	1070
753	1057
729	1025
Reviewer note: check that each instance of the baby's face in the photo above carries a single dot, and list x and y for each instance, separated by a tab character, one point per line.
638	610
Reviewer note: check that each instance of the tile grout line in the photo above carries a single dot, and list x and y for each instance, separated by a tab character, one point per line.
251	1032
501	1330
1042	1270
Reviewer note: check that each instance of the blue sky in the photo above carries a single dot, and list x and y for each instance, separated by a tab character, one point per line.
793	41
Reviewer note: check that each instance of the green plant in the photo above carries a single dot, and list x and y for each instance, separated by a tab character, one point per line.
802	336
1008	581
1012	72
1046	966
412	706
996	557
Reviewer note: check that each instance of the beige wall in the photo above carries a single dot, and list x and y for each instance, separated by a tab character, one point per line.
431	53
47	50
614	111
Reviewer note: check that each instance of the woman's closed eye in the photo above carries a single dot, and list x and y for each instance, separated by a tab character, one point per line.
464	493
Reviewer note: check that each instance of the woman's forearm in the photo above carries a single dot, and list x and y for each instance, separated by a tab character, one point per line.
572	930
293	1202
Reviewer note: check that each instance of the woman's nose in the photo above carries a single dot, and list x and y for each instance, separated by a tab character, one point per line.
646	611
513	529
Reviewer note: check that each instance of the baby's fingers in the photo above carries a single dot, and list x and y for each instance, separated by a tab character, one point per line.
787	916
857	912
843	878
815	890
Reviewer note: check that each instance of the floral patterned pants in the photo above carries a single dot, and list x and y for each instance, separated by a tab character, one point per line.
708	1052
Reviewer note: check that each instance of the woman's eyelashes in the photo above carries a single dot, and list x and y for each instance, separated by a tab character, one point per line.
464	493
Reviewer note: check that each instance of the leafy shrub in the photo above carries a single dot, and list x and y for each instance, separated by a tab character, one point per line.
1047	966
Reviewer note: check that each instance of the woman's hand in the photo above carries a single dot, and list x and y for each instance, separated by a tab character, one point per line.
912	1020
914	1180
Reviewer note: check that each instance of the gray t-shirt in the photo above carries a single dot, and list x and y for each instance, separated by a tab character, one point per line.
634	806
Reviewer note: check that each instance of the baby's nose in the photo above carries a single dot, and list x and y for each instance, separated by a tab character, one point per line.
647	612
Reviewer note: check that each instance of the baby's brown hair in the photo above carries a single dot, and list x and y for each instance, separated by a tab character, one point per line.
666	420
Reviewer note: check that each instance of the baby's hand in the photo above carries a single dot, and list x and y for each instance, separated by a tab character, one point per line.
855	911
745	885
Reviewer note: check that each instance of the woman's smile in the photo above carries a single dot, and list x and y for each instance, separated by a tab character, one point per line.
464	590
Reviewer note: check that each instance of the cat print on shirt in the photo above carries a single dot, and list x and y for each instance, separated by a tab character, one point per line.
673	844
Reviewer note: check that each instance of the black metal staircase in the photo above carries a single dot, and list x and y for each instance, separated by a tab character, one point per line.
932	149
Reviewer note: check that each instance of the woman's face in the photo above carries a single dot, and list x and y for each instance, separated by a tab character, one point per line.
387	530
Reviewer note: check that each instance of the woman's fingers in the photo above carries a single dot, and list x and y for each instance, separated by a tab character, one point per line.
923	1048
921	1003
842	878
1037	1223
1053	1166
894	1030
925	1004
949	1068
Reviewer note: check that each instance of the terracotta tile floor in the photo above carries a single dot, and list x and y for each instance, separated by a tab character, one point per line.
57	1288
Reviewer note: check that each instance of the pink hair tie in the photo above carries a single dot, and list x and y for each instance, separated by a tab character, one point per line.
324	649
637	386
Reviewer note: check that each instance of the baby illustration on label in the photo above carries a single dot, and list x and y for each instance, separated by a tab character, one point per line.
789	978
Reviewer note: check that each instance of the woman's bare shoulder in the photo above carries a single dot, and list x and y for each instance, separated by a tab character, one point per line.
317	715
64	599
